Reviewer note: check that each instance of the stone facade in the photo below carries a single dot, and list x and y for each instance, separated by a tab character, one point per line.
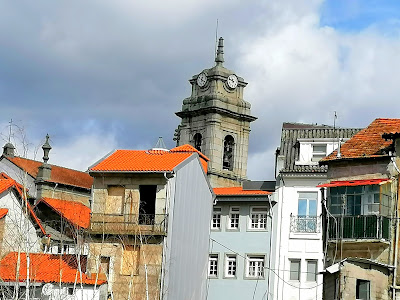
216	110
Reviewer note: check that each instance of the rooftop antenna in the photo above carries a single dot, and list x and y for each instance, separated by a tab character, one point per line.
334	120
216	39
160	145
338	154
10	133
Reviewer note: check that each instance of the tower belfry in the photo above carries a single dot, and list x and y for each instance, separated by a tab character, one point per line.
216	121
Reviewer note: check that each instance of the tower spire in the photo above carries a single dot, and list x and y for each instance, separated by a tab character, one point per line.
219	59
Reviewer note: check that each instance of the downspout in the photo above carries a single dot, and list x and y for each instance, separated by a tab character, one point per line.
165	246
270	245
396	248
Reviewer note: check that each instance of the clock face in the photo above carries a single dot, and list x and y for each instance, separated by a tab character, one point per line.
201	79
232	81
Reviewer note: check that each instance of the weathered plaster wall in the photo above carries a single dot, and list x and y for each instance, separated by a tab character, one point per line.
378	277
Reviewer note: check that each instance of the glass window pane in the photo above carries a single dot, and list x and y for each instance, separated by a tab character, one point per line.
312	210
362	289
294	270
302	208
311	270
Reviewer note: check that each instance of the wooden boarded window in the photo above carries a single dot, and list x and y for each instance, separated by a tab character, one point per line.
130	260
115	199
104	265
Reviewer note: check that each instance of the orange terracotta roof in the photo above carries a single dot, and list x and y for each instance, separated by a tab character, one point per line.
141	161
368	142
189	148
353	182
46	268
75	212
58	174
3	212
6	184
4	176
238	191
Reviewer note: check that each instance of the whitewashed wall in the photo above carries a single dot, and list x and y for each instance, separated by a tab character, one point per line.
20	232
18	175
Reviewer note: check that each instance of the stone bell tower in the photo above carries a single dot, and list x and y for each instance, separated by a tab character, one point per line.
216	120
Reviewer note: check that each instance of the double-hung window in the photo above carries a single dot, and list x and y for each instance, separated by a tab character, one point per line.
307	212
318	152
216	218
213	265
234	218
258	217
255	266
230	265
312	270
295	269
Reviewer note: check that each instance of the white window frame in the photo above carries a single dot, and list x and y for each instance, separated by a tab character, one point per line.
234	218
291	261
230	265
255	266
216	219
316	156
213	265
309	274
260	215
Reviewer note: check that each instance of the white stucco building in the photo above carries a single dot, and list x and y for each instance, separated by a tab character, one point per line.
297	258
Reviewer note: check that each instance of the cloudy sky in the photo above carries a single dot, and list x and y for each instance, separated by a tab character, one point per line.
99	74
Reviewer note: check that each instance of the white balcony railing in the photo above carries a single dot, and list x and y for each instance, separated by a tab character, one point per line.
305	224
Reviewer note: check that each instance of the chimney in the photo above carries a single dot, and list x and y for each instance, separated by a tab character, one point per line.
44	171
8	150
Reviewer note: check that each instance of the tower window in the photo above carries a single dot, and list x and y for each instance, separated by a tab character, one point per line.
197	141
228	153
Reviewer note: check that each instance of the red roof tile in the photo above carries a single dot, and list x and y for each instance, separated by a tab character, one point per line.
3	212
368	142
6	184
189	148
238	191
58	174
4	176
45	268
141	161
353	182
75	212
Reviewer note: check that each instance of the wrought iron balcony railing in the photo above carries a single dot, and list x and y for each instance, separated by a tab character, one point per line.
128	223
305	224
359	227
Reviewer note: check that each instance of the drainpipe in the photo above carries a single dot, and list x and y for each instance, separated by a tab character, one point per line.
396	248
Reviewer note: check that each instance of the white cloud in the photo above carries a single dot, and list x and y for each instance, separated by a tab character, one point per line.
301	72
83	151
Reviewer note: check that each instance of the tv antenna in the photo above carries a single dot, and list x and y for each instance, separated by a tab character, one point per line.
216	40
10	130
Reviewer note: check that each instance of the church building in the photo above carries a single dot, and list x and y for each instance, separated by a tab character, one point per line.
216	121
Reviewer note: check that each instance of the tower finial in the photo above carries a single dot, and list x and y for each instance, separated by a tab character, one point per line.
46	149
219	59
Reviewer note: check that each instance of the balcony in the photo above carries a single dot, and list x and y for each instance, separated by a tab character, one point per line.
304	224
151	224
359	227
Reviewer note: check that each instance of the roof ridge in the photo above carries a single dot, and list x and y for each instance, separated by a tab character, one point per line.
53	165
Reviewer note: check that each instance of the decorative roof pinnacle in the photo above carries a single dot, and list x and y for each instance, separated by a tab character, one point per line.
219	59
46	149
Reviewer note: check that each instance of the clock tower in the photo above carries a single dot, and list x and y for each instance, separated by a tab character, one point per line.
216	121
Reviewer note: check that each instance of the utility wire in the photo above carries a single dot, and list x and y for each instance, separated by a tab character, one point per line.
273	270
